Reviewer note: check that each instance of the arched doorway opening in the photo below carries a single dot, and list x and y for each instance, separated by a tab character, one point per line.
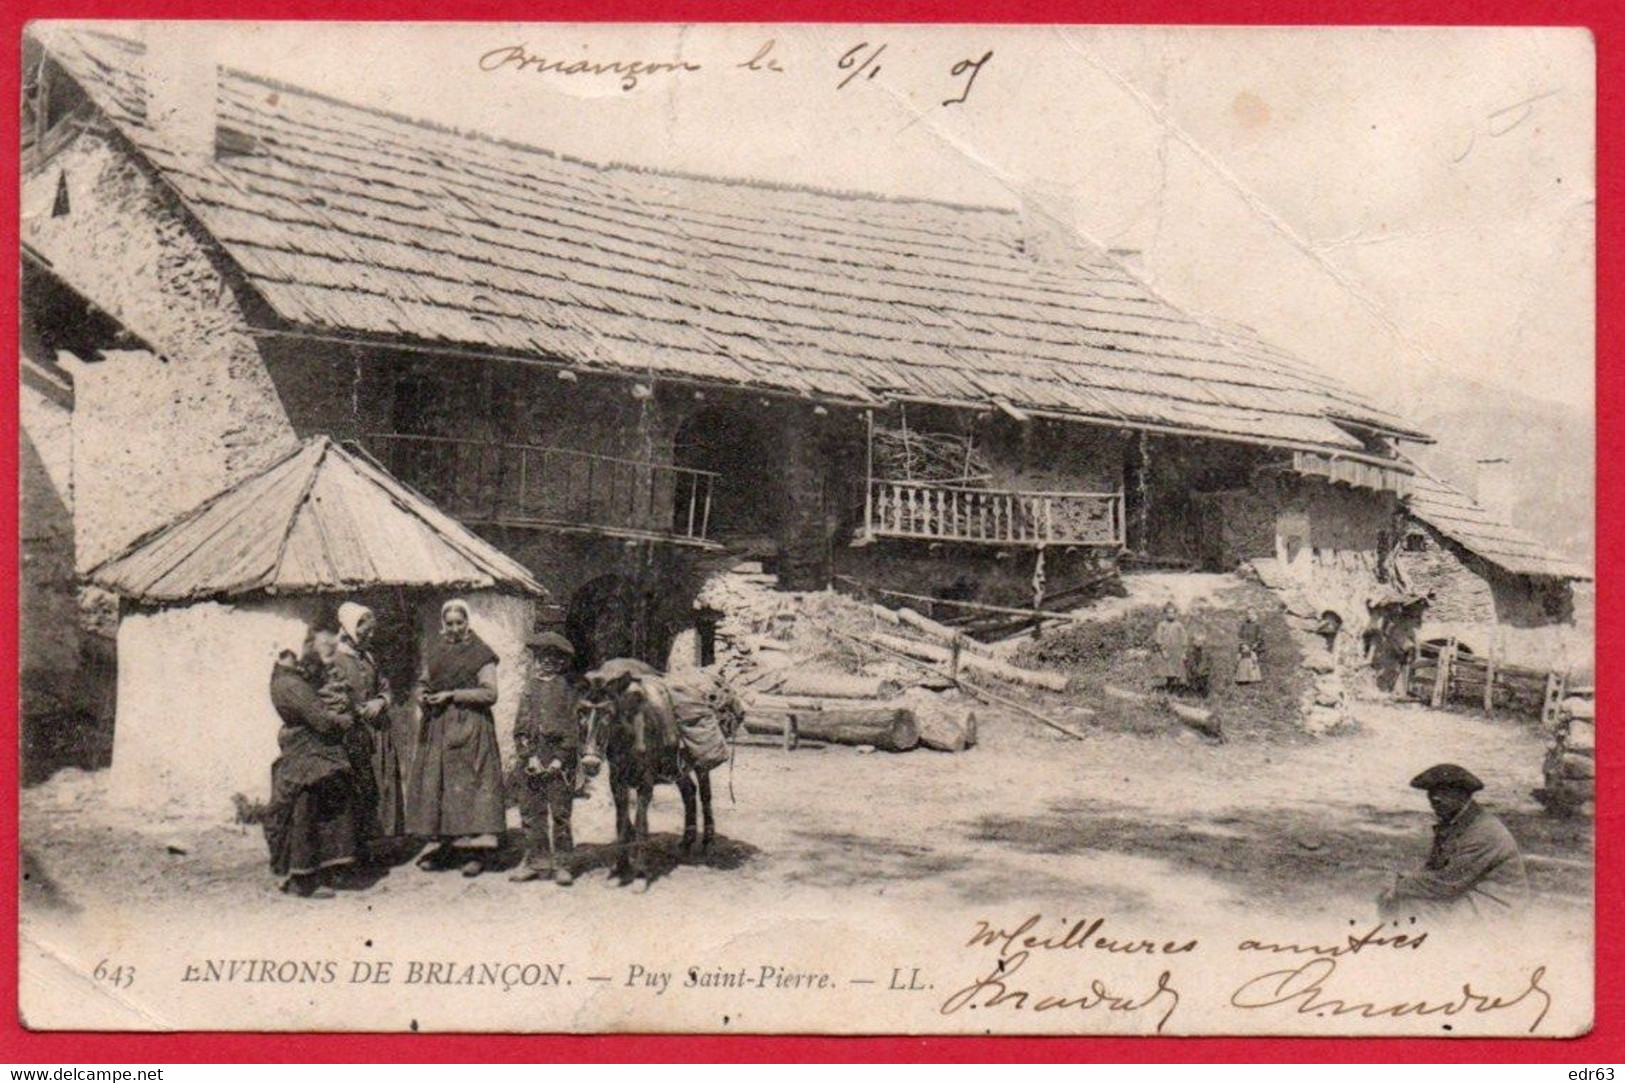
603	621
744	454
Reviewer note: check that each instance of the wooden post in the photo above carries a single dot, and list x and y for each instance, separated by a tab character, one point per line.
1441	678
869	474
1489	680
1556	686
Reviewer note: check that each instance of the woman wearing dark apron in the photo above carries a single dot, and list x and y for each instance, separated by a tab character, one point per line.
456	800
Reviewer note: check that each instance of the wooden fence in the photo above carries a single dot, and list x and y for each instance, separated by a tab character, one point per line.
1442	674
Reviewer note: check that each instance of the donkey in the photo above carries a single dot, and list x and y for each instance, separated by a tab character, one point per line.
629	719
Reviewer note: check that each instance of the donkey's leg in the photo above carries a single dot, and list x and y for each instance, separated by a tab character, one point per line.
685	786
640	837
623	826
710	837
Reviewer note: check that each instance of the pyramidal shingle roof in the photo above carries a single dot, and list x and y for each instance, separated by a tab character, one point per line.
320	519
351	221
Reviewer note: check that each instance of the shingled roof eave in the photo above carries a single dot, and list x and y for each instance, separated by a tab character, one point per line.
1542	565
1334	417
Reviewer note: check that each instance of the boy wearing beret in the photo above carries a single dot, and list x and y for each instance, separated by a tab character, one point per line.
547	739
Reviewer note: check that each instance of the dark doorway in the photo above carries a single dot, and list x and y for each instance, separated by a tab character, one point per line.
603	621
745	456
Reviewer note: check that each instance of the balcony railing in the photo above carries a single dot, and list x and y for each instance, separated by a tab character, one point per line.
905	509
539	486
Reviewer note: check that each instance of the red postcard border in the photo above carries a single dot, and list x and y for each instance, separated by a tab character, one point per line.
1606	1042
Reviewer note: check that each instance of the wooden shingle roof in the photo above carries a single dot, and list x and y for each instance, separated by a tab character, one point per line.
320	519
1467	523
351	221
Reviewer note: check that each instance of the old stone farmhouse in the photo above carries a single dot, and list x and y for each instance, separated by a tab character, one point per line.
620	377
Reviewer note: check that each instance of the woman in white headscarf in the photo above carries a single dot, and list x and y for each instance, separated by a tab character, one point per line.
371	745
456	795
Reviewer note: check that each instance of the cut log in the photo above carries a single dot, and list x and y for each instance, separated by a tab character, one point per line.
980	693
991	667
812	682
939	631
774	742
783	704
944	729
890	728
1199	719
1126	694
1582	737
1579	707
889	616
1573	765
1574	791
774	724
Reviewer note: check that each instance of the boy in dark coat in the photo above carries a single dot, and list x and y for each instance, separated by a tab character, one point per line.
547	740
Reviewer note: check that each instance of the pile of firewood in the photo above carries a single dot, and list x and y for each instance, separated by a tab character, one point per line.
1571	758
903	455
822	668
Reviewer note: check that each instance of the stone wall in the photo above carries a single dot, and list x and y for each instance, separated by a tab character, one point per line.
1526	620
48	609
154	433
1430	565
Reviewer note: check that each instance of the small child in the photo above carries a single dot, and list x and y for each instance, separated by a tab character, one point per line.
1198	664
547	739
1249	649
331	687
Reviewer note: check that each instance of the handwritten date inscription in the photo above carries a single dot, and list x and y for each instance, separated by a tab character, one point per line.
858	64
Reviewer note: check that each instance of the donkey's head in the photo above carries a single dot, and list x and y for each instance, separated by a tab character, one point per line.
608	709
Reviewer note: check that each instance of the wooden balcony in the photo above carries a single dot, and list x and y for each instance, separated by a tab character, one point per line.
533	485
946	513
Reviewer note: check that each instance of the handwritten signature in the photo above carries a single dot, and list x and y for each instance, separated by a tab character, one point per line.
1302	990
994	991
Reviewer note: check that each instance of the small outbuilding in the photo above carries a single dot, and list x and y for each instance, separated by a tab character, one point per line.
210	598
1488	584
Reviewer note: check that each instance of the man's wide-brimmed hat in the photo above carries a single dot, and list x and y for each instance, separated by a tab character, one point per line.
549	641
1447	776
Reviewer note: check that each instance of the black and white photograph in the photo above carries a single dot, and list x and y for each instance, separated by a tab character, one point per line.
823	529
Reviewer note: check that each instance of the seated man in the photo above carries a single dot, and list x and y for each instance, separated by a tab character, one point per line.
1474	869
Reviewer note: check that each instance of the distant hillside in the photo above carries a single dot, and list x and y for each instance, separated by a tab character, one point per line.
1551	446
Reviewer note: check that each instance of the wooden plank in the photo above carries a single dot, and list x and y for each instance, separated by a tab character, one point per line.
1441	677
976	690
991	667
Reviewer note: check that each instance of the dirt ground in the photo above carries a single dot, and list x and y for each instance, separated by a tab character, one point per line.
1153	824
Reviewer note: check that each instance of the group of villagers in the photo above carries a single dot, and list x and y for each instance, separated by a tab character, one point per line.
362	780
